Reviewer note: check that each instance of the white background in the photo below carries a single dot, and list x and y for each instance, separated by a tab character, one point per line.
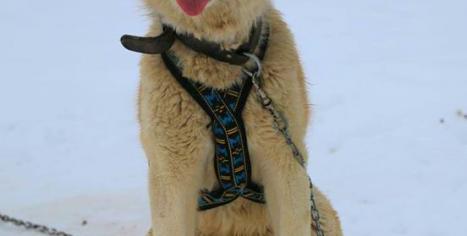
387	79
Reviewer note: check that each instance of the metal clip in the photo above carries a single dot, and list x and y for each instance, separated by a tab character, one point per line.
259	66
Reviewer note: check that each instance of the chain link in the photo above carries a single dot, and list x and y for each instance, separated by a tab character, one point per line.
31	226
281	125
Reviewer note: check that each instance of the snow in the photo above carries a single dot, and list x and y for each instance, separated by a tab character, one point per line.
388	144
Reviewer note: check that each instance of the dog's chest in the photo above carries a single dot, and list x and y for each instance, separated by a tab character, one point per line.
228	128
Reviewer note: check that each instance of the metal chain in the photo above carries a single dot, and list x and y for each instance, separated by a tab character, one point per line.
281	125
31	226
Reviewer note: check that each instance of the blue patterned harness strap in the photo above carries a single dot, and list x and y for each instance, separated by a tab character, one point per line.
231	159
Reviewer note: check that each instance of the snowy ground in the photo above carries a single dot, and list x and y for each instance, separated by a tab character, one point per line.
388	79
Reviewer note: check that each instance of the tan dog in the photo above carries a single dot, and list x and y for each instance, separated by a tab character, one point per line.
180	148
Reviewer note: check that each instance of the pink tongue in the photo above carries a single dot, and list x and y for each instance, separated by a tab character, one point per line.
193	7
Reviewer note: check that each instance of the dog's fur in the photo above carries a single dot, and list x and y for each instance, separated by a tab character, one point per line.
180	149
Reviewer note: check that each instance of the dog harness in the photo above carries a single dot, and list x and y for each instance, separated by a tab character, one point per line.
231	158
224	107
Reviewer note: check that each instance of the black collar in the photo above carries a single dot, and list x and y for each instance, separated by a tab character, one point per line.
163	42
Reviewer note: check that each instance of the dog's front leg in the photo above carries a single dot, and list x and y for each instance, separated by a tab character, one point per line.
174	180
287	194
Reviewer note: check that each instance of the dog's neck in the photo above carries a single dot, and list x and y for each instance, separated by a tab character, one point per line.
202	68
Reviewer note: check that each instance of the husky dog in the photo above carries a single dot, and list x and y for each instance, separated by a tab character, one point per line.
178	140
